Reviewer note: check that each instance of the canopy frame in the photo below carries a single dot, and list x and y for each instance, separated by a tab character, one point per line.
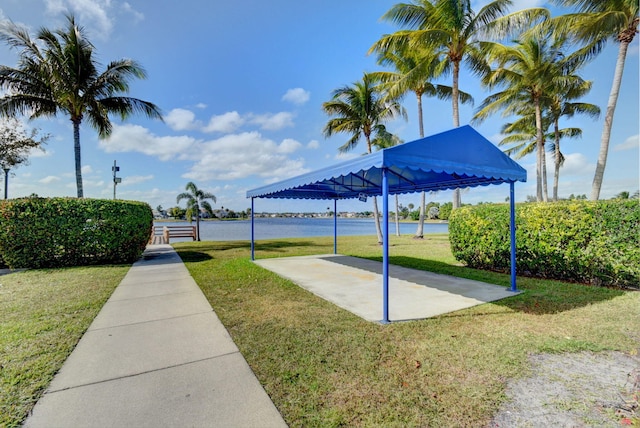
453	159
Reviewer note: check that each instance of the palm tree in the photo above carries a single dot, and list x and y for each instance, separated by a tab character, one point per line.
598	21
58	73
196	201
561	106
414	70
455	32
360	110
531	70
522	136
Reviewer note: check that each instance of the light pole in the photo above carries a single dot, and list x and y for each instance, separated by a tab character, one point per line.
116	180
6	180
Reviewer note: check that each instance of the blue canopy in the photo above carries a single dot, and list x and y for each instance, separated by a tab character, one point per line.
460	157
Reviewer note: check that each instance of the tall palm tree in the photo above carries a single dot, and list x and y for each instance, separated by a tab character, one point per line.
561	105
522	136
58	73
597	22
196	202
531	70
455	32
360	110
414	70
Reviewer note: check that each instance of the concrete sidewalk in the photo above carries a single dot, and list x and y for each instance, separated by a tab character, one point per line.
156	355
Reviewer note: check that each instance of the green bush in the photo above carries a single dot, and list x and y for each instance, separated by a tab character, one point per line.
57	232
591	242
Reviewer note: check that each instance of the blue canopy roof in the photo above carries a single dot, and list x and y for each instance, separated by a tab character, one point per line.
460	157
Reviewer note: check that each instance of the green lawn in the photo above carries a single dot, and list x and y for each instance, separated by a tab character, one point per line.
323	366
43	314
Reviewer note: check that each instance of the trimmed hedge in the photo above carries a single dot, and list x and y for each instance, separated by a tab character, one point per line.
583	241
58	232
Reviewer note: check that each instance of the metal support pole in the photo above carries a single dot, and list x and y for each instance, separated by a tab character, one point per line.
335	226
385	247
512	204
253	257
116	180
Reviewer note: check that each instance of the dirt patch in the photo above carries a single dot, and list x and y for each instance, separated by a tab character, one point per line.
574	390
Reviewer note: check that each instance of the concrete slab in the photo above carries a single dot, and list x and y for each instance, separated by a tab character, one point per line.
130	290
138	277
356	285
111	353
145	309
205	393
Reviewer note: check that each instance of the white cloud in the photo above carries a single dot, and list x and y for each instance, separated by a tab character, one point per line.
96	15
90	13
49	179
180	119
574	164
138	16
135	138
135	179
201	105
345	156
313	144
230	157
241	155
273	122
288	145
297	96
86	169
630	143
40	153
226	123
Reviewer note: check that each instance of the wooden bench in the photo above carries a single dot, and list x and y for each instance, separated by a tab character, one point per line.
168	232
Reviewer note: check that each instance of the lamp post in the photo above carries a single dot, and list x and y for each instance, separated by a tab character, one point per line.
116	180
6	180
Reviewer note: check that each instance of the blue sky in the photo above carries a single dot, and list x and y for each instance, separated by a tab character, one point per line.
241	85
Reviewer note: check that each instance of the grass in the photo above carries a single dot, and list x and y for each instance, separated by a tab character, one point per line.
323	366
43	314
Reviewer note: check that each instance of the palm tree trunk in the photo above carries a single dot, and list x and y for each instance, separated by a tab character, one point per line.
397	217
608	121
455	95
420	122
420	232
539	149
376	218
556	172
197	223
76	150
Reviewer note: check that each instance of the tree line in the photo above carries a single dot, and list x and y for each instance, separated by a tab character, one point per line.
535	75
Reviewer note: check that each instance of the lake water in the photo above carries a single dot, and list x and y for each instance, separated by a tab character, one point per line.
281	227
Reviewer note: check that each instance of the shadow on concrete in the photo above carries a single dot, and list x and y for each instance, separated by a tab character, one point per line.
540	296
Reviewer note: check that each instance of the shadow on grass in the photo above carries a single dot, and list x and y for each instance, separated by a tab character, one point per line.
194	256
262	248
540	297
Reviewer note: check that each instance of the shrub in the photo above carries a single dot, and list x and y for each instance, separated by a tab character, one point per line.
57	232
593	242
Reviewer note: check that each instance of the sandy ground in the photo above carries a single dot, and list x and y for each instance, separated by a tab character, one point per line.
574	390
